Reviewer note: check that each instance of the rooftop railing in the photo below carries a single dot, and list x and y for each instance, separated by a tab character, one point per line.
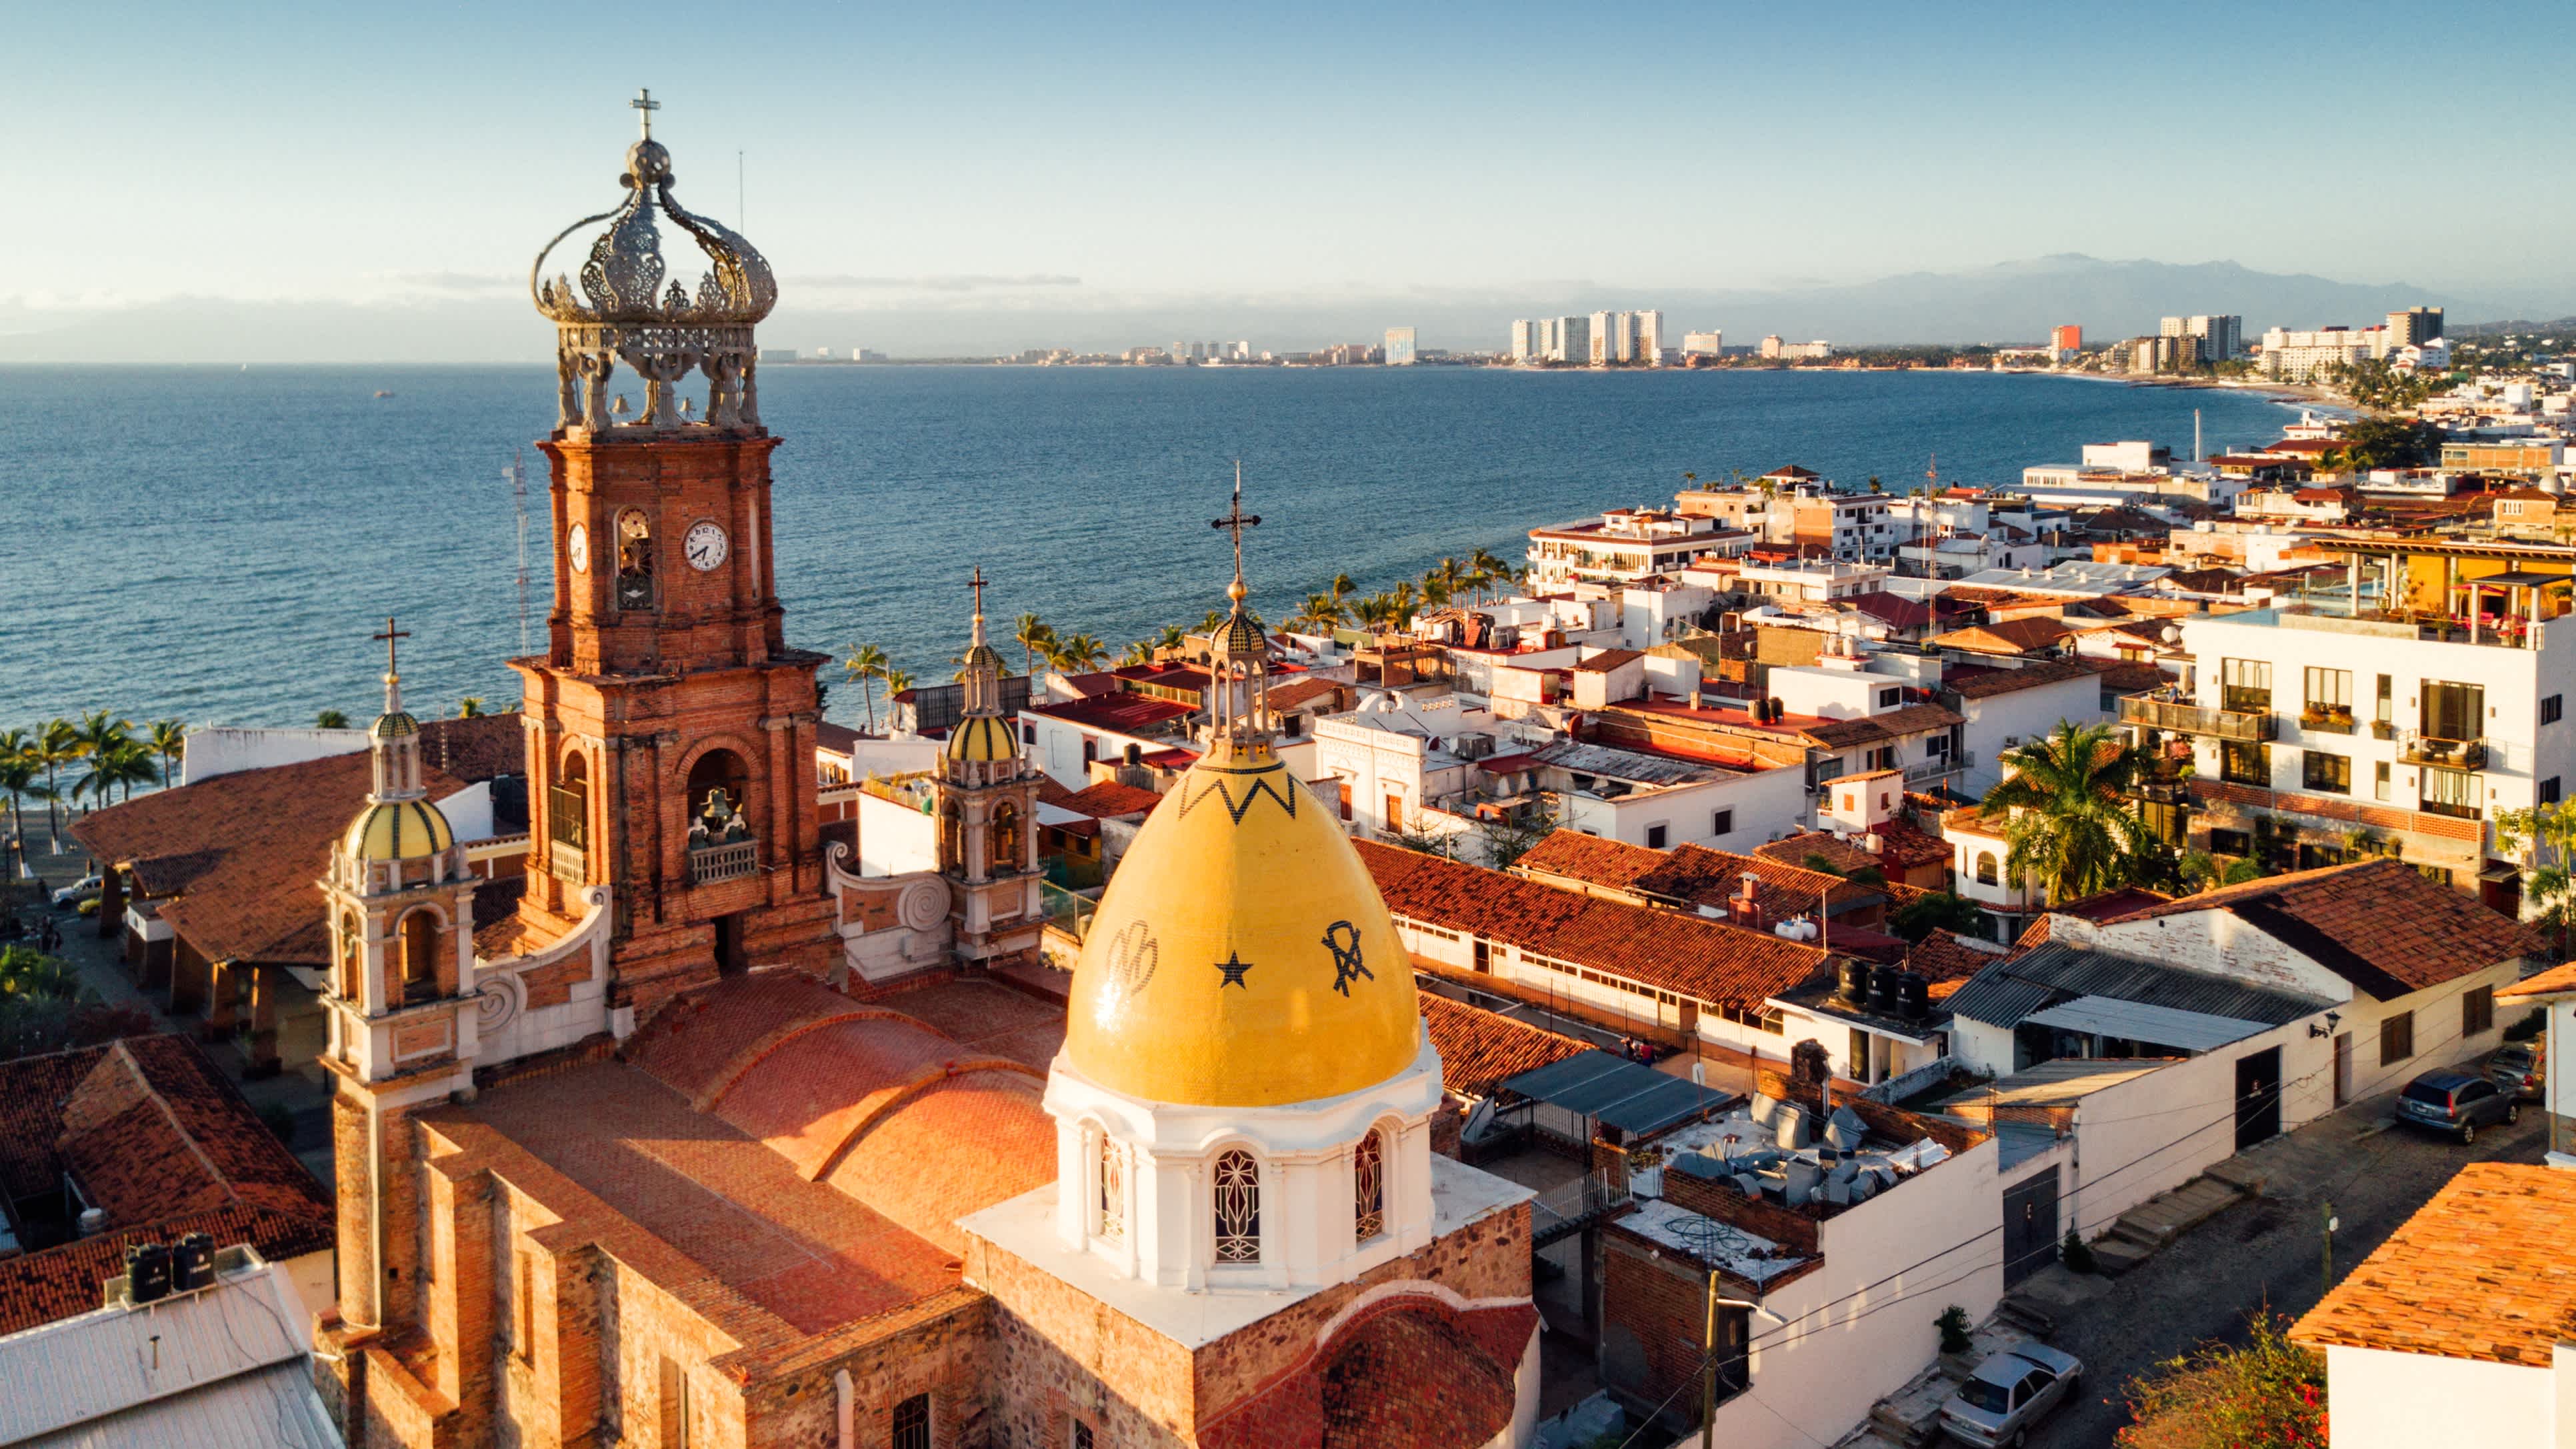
715	864
2164	712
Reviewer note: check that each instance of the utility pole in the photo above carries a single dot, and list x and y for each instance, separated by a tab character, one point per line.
1708	1371
2325	1245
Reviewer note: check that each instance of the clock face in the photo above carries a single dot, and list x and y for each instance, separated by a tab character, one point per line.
705	546
577	547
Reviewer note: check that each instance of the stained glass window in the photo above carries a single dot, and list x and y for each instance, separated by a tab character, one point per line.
1368	1185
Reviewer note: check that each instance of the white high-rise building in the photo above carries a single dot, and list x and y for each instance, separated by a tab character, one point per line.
1711	343
1399	346
1650	338
1524	336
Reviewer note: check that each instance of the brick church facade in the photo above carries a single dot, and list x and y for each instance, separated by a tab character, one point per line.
658	1166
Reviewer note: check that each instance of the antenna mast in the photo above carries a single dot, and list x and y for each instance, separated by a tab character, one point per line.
517	473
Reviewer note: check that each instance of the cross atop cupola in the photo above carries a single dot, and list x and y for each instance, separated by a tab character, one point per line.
645	106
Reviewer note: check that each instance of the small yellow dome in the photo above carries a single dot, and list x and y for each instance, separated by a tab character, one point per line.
397	830
1241	956
982	739
1239	638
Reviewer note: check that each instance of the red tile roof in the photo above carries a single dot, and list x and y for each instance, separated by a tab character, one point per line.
1127	714
1110	800
1975	683
2480	1272
2551	982
158	1139
241	852
2010	636
1692	874
1479	1048
1665	949
2379	924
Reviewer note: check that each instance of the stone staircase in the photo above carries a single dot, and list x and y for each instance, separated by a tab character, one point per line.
2144	1230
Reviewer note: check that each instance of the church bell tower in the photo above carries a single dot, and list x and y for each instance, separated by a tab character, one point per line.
988	817
670	728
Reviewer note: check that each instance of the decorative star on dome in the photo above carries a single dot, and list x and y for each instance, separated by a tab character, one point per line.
1233	966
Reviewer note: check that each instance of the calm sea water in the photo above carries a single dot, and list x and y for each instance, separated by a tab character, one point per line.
218	545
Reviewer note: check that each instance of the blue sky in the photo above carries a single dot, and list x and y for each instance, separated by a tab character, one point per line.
264	150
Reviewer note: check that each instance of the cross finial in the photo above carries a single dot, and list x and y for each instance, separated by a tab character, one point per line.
1236	522
976	582
645	105
393	678
388	639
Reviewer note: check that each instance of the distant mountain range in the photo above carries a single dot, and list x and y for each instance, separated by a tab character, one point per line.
2010	302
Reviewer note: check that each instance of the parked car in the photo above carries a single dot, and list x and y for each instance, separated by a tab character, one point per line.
79	891
2519	1069
2008	1393
2456	1102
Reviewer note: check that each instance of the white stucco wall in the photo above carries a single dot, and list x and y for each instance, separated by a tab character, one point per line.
2021	716
895	839
1855	1332
2376	1399
223	750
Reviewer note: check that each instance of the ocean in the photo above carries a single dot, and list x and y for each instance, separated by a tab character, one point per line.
217	545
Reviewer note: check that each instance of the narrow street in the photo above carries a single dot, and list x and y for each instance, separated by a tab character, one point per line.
2265	1250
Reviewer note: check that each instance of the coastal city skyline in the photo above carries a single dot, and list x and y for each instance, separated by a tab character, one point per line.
1420	194
1347	728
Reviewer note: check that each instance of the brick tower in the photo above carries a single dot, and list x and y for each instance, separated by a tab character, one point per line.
670	728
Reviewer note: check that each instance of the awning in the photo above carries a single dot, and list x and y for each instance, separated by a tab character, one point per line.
2191	1031
1616	1092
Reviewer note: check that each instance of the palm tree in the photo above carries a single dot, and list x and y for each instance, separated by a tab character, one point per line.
1033	636
121	766
1489	568
866	665
17	774
1341	587
169	739
1441	582
896	682
1140	651
1171	636
1079	653
470	707
57	744
100	732
2073	827
1319	615
331	719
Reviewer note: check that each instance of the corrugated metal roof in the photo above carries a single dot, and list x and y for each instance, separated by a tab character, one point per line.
2191	1031
2007	992
2056	1083
173	1373
1615	1092
272	1406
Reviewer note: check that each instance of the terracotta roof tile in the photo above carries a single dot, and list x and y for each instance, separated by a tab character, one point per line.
1655	947
2378	924
1133	714
242	851
1948	957
1108	800
2480	1272
1987	683
160	1140
1693	875
1479	1048
2548	983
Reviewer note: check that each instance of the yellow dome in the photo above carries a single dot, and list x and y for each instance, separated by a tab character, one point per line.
398	830
983	739
1241	956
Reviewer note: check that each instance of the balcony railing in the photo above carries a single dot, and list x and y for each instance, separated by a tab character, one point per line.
713	864
2424	749
568	862
1946	765
2183	717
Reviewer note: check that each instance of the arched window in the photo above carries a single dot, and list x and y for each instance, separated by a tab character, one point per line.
1985	867
419	956
1112	1198
353	958
952	836
634	560
1004	837
568	821
1368	1185
1238	1207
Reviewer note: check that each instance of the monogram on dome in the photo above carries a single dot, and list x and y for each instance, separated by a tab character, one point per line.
632	305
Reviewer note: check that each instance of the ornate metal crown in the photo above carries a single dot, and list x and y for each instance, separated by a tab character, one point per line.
625	312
